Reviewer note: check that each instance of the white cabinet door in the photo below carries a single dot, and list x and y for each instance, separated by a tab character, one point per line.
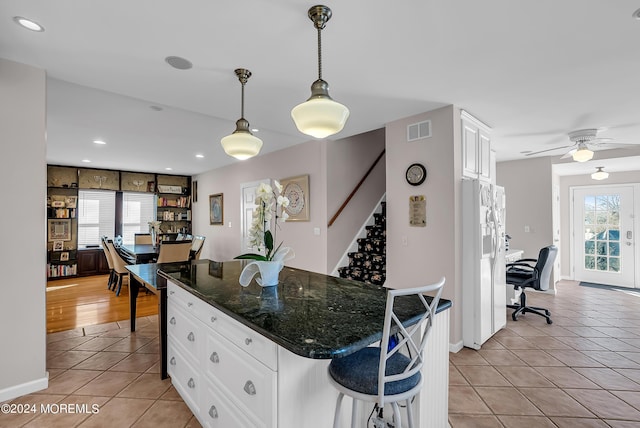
469	149
484	148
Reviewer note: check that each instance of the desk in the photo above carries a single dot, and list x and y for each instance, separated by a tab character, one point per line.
146	276
140	253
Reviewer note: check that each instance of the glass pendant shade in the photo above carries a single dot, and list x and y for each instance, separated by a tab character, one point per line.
241	144
600	174
583	154
320	117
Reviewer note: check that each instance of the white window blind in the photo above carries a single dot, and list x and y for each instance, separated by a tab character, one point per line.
96	216
138	209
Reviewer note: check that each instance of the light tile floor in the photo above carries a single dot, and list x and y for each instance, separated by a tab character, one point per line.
108	367
581	371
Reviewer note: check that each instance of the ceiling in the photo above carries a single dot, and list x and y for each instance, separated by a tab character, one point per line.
533	71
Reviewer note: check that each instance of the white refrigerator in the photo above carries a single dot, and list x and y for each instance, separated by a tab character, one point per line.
484	309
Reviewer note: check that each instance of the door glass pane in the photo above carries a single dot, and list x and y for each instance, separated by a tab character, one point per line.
602	233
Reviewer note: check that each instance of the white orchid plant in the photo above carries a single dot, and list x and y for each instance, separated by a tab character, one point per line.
154	225
270	208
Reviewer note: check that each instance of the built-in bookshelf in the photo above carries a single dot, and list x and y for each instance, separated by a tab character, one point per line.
62	223
63	183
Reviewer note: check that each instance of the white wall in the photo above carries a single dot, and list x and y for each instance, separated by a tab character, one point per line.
528	188
432	251
348	160
223	242
23	257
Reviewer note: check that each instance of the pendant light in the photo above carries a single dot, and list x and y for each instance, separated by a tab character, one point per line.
242	144
600	174
320	116
583	153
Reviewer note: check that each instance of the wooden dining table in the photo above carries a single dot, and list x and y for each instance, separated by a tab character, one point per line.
140	253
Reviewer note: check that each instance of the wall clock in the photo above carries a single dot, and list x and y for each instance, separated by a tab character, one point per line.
416	174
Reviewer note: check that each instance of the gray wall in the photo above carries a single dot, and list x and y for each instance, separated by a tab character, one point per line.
22	287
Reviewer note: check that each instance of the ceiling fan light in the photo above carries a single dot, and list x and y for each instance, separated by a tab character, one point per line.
320	117
600	174
241	145
583	154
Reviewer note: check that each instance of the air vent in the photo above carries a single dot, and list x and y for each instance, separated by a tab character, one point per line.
418	131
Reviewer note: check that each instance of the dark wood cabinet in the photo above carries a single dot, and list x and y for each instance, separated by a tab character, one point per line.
92	261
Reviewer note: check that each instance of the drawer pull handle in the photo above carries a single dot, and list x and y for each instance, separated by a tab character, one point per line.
213	319
213	412
172	361
190	304
191	383
214	358
248	341
191	337
250	388
171	293
172	321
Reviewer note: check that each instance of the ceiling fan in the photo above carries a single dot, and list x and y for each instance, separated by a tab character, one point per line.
582	140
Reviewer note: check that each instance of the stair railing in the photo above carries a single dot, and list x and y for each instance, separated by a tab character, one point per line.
353	192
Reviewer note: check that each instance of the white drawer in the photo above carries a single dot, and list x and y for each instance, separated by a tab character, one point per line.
219	412
257	345
182	298
184	377
185	330
253	386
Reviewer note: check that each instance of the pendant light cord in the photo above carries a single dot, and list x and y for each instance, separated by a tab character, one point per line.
242	101
319	54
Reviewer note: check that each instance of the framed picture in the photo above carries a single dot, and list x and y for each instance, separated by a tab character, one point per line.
58	245
59	230
297	190
71	201
216	209
64	257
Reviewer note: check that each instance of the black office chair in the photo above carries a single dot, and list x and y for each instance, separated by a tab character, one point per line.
523	274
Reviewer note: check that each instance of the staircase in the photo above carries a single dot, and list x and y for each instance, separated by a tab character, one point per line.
368	264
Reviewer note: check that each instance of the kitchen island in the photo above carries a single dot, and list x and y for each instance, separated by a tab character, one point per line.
257	357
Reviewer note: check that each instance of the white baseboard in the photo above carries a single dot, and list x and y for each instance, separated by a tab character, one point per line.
455	347
24	388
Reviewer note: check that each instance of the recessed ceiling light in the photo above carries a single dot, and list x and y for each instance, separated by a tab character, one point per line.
28	24
178	62
255	130
169	169
636	14
156	108
86	160
199	156
99	142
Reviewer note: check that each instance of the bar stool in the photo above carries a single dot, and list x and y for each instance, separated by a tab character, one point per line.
382	375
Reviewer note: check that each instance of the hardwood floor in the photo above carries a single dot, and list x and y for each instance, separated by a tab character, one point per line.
79	302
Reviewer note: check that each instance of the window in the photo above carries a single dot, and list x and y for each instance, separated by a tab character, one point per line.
96	216
138	209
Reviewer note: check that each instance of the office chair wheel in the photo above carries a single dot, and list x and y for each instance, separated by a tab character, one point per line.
549	321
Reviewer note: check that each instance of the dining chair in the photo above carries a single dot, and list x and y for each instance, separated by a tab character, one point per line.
382	374
174	251
118	266
107	255
196	247
142	238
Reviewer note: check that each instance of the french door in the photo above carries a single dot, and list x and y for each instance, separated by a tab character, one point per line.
248	206
603	235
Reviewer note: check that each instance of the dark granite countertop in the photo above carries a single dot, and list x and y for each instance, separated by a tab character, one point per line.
310	314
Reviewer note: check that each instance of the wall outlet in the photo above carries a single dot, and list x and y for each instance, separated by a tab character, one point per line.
527	229
316	231
405	241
